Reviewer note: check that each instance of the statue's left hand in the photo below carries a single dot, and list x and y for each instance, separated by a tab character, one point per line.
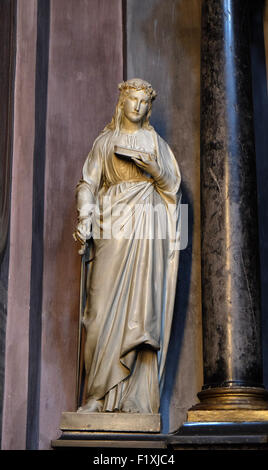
148	163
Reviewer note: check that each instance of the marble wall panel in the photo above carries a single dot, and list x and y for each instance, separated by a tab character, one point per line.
85	66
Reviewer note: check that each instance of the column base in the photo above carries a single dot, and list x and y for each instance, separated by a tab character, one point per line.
227	404
227	416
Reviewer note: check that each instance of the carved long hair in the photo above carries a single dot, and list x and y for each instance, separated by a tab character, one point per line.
125	87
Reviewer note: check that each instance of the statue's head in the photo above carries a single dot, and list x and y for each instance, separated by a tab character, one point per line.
137	84
128	89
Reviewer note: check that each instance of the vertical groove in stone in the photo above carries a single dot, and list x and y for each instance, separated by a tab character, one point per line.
8	56
230	264
35	323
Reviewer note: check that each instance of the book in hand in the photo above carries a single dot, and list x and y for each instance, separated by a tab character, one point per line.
128	153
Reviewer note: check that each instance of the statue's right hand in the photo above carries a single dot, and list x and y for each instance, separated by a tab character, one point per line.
83	229
83	232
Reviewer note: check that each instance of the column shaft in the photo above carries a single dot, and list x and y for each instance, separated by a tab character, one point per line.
230	263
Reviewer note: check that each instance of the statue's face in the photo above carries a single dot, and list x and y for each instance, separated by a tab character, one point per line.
136	105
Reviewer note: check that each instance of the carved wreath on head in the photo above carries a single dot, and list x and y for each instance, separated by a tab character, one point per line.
138	84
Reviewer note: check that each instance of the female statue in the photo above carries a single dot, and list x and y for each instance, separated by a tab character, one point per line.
122	202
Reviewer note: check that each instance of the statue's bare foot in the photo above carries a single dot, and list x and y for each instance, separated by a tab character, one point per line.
129	407
92	406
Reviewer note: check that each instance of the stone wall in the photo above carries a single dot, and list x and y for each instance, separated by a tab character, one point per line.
71	54
69	62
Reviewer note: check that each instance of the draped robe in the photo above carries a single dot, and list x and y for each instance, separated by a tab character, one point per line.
132	280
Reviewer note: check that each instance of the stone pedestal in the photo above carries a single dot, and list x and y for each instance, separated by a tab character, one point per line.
134	430
110	422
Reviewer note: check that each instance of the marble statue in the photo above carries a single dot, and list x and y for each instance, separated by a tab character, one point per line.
128	203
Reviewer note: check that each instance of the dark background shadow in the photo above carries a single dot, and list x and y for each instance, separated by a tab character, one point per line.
180	314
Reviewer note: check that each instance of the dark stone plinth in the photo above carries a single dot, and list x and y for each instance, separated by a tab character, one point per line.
230	259
110	440
225	436
224	429
191	436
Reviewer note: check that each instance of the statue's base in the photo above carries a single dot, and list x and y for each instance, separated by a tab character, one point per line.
110	422
87	431
110	430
